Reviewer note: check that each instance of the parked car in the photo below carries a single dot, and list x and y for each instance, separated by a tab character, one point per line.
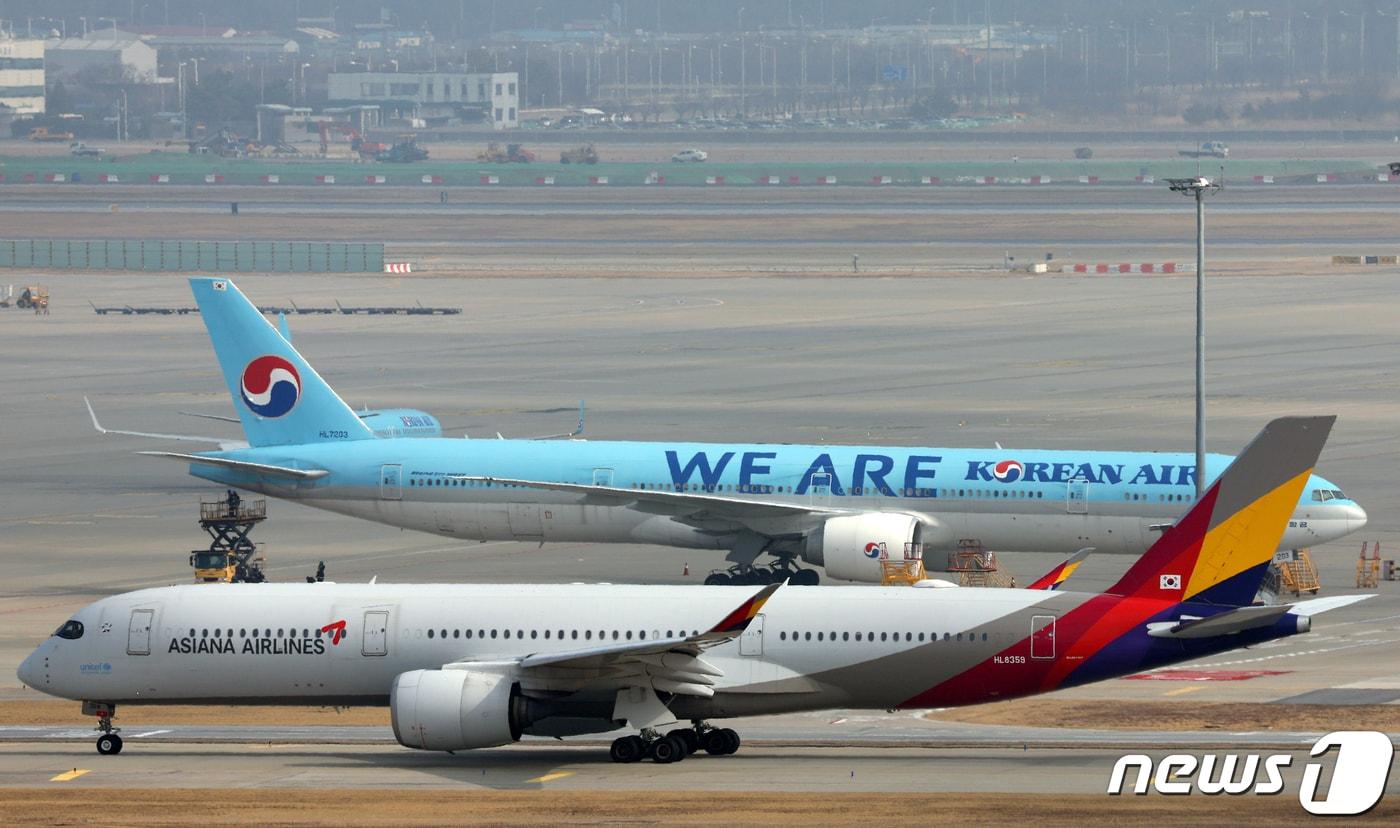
691	155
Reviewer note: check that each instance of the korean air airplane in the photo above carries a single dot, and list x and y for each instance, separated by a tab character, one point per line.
473	666
840	507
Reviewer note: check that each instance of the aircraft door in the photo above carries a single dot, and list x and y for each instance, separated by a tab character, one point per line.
751	640
819	489
376	636
525	523
391	481
138	634
1077	497
602	477
1042	637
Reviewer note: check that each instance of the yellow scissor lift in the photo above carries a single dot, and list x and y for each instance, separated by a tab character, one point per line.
907	570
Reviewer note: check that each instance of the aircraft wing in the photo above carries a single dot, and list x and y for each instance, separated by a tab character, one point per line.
668	665
265	469
694	507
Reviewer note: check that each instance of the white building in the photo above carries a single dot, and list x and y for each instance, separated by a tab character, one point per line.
104	54
431	94
22	76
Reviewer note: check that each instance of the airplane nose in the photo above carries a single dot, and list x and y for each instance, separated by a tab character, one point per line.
1356	518
28	670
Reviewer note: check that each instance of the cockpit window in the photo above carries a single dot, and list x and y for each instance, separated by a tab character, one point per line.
1322	494
1337	494
70	630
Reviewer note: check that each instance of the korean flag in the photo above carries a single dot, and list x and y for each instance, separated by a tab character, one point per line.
1169	582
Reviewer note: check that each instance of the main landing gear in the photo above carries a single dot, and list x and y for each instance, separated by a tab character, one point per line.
674	746
782	570
109	743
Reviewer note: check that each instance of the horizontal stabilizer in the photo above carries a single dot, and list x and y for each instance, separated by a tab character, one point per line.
1317	606
242	465
1234	621
221	442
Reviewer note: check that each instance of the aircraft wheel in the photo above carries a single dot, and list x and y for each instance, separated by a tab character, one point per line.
667	749
627	750
109	744
731	741
805	577
717	579
688	737
715	742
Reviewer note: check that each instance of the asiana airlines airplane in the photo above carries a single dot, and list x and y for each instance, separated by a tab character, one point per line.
840	507
475	666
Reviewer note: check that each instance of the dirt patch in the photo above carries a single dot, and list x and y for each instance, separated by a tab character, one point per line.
1155	715
272	807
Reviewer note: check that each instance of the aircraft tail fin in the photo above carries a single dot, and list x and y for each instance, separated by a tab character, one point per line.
279	397
1219	552
1062	571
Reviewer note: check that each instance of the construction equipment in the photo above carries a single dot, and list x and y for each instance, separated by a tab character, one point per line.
908	570
1207	149
579	155
1292	571
40	133
230	556
80	150
404	151
512	154
35	297
977	566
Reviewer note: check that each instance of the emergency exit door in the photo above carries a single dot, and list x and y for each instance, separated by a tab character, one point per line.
751	639
391	481
376	637
1043	636
138	634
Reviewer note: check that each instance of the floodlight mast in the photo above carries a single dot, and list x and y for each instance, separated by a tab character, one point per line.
1199	187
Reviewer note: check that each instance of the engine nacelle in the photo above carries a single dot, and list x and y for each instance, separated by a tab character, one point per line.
401	422
454	709
849	546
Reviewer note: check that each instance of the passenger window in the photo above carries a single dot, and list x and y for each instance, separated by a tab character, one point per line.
430	633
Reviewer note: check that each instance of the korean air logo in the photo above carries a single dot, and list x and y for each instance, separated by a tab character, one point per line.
1008	471
271	386
873	550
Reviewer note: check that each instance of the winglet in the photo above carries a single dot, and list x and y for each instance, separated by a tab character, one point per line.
739	619
1061	573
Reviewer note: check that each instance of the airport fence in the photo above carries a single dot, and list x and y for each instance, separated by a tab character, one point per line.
194	256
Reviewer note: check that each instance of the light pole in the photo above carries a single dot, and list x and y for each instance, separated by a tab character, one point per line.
1199	187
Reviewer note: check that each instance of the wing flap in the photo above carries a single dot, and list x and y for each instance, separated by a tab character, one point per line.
687	503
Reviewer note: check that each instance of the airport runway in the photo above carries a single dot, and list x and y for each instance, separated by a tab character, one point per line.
1044	362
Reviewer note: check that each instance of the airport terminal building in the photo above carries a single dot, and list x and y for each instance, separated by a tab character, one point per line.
21	76
432	96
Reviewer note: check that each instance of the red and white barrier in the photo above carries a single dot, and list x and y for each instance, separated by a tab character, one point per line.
794	179
1144	179
544	179
881	179
431	179
770	179
159	178
989	179
1388	178
1040	179
1142	267
213	178
597	179
398	267
272	179
1326	178
29	178
55	178
654	178
375	179
826	179
490	179
325	179
1088	179
714	179
108	178
1263	179
929	179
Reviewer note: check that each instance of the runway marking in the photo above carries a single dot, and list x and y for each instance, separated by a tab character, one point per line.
149	733
1181	691
1205	675
548	777
69	776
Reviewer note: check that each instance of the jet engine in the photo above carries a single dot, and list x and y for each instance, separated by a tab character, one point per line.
455	709
850	546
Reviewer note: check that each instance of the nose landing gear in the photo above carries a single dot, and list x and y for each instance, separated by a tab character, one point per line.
109	743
